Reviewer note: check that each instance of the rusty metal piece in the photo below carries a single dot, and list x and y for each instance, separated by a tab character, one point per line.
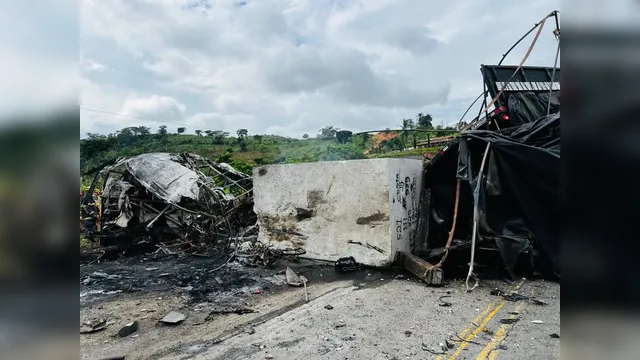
425	271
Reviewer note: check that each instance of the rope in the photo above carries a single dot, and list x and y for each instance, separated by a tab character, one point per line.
553	73
453	226
524	59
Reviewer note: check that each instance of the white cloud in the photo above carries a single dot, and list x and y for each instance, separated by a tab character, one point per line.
154	107
92	65
294	66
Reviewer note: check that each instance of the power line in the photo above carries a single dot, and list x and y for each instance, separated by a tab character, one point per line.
129	116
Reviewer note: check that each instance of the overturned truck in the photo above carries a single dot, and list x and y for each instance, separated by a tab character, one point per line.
174	202
493	192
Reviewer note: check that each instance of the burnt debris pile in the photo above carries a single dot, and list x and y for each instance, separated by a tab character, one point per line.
170	203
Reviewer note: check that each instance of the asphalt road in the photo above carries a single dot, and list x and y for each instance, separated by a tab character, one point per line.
402	319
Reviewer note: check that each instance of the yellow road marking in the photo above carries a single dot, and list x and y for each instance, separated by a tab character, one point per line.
492	310
490	351
471	326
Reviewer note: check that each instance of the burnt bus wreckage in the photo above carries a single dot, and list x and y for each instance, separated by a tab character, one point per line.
171	203
493	191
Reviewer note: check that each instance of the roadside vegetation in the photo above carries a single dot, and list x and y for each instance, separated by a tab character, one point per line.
244	150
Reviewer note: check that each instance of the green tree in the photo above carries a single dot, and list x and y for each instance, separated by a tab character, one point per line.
424	121
343	136
258	138
126	132
208	132
198	132
242	133
219	136
162	130
361	140
141	130
94	136
392	144
305	136
242	138
407	124
327	132
181	130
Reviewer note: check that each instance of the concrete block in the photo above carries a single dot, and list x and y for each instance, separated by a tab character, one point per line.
367	209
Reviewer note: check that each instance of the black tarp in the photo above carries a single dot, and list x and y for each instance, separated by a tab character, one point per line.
519	199
524	107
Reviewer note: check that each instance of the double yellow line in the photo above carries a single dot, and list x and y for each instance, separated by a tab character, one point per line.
476	326
490	351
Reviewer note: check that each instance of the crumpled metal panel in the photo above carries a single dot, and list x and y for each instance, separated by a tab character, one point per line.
164	177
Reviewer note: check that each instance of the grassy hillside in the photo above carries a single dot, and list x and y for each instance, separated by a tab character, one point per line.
245	151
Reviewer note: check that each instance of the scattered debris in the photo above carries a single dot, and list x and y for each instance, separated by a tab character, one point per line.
328	307
229	310
449	345
513	313
444	303
407	333
555	336
92	326
425	271
367	245
174	318
306	293
509	321
537	322
268	356
292	278
459	339
514	296
99	275
433	350
346	264
128	329
502	347
249	331
340	324
538	302
487	331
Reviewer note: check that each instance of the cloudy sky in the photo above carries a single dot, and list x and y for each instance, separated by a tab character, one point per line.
290	67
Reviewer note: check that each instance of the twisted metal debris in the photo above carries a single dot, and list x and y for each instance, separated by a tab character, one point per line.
175	202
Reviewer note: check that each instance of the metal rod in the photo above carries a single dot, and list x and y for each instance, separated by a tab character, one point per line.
476	196
469	108
504	56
